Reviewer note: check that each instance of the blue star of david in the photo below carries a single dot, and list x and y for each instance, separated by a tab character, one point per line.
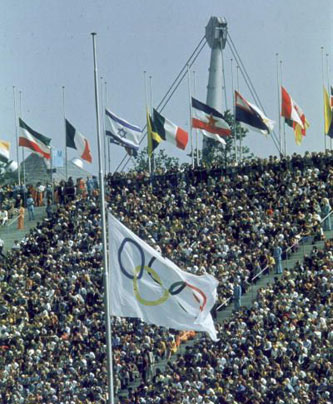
122	132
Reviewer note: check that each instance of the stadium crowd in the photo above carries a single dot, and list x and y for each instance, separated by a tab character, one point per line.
225	222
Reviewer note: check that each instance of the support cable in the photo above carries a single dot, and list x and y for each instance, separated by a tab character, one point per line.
250	85
172	89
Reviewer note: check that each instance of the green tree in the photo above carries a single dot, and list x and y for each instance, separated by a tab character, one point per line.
160	160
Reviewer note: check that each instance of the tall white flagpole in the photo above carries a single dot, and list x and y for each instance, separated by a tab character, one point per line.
103	126
234	108
328	87
323	78
147	112
190	126
23	159
240	135
196	132
63	110
105	257
103	115
279	102
17	142
284	124
152	161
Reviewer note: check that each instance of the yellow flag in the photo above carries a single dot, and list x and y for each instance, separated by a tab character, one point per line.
327	114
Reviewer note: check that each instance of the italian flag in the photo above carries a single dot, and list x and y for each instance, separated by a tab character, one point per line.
76	141
169	131
34	141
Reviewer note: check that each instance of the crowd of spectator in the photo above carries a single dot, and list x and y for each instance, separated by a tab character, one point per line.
279	351
223	221
227	223
52	336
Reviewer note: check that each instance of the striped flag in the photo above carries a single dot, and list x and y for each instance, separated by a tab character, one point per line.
251	116
4	151
169	131
122	132
34	141
289	109
76	141
210	121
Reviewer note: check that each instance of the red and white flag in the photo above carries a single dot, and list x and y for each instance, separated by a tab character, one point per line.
289	108
210	121
34	141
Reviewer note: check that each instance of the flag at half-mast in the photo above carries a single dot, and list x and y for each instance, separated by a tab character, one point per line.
209	121
75	140
289	109
251	116
4	151
328	116
300	131
122	132
153	137
169	131
148	286
34	141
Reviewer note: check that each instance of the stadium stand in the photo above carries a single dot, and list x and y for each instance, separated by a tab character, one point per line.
223	221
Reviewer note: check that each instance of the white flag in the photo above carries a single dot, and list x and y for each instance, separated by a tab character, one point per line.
122	132
145	285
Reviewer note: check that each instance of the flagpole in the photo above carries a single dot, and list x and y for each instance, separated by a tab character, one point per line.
328	87
190	126
151	112
323	78
107	141
234	118
240	135
148	112
63	110
224	82
196	132
279	102
105	260
103	127
17	142
284	126
23	159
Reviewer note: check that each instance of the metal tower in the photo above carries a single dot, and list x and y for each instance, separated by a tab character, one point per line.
216	35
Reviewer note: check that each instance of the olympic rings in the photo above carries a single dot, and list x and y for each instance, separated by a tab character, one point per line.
156	278
174	289
123	270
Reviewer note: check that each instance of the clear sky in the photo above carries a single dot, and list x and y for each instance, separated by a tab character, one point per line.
46	44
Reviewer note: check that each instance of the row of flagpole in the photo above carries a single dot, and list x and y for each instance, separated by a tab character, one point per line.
194	156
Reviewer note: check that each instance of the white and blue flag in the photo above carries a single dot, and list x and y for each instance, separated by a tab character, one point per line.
122	132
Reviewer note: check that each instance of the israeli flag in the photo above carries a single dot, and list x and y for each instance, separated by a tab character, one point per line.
122	132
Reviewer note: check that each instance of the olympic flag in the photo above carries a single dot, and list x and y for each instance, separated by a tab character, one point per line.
145	285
